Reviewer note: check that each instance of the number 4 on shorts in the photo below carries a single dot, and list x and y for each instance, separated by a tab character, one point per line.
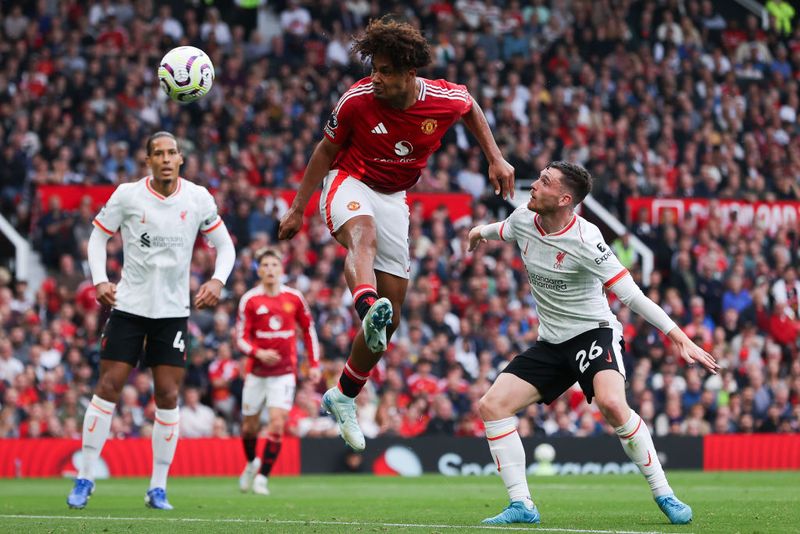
178	343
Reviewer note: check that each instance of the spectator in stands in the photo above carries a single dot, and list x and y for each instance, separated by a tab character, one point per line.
197	420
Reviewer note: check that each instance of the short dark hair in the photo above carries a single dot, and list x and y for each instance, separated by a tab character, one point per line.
575	177
268	252
402	43
155	136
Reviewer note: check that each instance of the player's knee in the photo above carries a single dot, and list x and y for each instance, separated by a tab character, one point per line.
107	389
490	408
249	428
613	407
167	400
276	429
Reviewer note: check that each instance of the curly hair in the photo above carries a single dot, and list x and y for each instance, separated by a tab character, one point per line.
576	178
402	43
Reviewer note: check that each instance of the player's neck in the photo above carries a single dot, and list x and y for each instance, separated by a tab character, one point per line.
164	186
409	99
271	289
552	223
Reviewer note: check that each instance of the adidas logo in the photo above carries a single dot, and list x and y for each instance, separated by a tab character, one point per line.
380	129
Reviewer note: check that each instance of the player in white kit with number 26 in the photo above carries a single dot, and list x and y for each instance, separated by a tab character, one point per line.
569	265
159	217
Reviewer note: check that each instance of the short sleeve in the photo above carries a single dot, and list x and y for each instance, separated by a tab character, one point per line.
340	122
459	94
110	217
600	260
508	228
209	218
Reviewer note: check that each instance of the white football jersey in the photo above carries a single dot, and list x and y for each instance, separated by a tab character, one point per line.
158	235
567	272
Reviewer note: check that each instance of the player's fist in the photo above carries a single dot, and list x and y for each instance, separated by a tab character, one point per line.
475	238
208	294
268	356
106	293
290	224
501	176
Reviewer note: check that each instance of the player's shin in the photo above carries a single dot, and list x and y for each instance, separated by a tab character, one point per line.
638	445
165	440
271	450
96	426
249	444
509	456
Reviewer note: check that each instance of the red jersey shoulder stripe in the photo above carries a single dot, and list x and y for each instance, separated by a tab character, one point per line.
356	91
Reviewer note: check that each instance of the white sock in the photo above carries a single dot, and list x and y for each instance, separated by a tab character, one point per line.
509	455
638	445
165	439
96	426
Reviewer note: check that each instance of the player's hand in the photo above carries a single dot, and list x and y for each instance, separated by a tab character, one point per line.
475	238
291	223
314	374
268	356
106	293
501	176
208	294
690	352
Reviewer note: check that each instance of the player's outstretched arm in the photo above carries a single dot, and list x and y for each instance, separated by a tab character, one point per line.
633	297
318	166
501	172
483	233
690	352
96	252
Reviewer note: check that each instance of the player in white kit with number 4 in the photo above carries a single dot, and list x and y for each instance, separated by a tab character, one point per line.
159	217
569	265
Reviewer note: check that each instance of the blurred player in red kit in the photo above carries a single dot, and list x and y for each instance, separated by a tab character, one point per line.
269	316
377	140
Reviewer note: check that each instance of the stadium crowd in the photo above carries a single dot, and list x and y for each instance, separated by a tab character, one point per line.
656	98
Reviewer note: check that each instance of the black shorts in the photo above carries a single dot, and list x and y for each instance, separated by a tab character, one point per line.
127	337
553	368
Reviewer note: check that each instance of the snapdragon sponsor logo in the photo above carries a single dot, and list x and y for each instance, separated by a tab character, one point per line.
452	464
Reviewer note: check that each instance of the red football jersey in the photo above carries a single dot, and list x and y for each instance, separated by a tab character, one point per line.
387	148
271	322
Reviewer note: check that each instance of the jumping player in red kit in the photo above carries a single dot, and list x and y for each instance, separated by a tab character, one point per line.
377	140
269	316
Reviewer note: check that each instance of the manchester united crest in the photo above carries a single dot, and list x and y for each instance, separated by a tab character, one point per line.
428	126
353	205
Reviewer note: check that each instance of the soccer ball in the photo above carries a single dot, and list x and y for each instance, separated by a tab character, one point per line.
186	74
544	453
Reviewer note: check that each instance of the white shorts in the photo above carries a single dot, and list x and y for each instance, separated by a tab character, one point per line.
274	391
344	197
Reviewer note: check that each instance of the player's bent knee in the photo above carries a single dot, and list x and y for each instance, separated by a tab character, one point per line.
613	407
490	408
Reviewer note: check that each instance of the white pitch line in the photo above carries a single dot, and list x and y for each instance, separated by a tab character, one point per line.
325	523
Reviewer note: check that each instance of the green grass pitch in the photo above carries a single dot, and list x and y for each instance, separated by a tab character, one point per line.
722	502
